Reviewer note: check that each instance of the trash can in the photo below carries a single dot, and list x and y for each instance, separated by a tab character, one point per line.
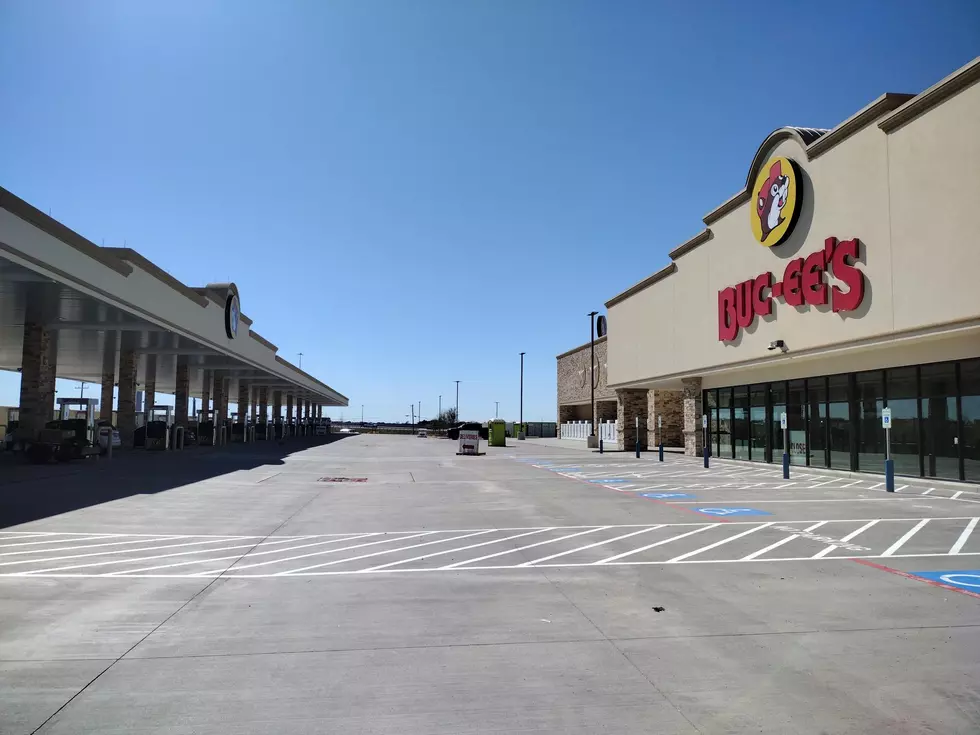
498	432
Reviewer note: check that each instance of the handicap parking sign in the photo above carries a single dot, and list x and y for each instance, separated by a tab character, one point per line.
723	512
964	579
665	496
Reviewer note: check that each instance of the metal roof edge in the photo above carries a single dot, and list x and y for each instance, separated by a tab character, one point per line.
961	79
645	283
46	223
134	258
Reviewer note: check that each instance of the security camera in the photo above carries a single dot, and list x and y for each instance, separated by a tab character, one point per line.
777	345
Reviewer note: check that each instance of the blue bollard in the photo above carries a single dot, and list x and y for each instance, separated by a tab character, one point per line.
785	465
661	451
600	446
706	457
890	475
637	447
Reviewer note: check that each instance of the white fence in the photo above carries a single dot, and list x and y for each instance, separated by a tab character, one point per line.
580	430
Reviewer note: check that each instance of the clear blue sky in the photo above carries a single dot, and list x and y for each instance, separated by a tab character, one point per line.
413	192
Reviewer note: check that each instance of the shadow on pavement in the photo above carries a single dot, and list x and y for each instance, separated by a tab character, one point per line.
31	492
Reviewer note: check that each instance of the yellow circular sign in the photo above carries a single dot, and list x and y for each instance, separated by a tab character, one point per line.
776	201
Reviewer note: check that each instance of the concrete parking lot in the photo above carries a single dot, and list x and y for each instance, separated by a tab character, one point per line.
381	584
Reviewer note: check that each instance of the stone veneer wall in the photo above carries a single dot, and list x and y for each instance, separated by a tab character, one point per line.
693	434
632	404
670	405
573	379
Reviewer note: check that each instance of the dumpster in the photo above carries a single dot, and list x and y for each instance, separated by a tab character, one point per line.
498	432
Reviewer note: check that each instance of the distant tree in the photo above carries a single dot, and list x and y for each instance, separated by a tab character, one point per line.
447	417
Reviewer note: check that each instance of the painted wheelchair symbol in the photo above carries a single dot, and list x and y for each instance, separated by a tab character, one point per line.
724	512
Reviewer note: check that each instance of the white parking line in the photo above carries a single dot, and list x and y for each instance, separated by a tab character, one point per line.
786	540
844	540
961	541
928	491
658	543
719	543
957	494
522	548
158	556
386	551
901	542
391	540
99	537
591	546
45	559
456	550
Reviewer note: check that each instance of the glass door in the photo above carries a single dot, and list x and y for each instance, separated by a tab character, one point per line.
777	393
940	421
970	404
816	389
725	423
757	423
796	418
839	418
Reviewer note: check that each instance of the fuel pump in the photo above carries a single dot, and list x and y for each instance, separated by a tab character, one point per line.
158	421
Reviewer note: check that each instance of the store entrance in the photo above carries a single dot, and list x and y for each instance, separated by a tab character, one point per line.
940	419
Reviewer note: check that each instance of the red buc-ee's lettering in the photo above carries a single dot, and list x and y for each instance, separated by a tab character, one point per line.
802	283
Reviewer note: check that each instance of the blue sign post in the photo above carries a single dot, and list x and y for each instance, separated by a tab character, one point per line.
704	432
784	425
660	435
886	422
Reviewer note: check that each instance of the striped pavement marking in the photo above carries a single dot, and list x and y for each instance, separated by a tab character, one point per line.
377	552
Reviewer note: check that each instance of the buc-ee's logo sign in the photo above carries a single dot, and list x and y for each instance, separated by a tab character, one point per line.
776	201
802	283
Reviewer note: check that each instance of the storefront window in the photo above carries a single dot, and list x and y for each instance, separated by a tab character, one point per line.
711	408
816	389
839	418
940	440
796	419
869	400
757	423
777	393
740	425
970	404
725	423
902	390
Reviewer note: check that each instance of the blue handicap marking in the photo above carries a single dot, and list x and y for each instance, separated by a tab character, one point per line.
609	481
732	512
664	496
563	469
964	579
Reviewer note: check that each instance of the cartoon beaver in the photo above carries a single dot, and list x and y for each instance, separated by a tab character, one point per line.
772	198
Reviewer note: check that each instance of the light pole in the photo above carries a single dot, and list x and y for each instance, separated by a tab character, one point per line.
592	315
457	401
420	412
413	417
300	360
520	431
362	414
440	408
496	409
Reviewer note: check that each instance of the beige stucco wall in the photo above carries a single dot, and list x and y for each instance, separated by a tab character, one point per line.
908	196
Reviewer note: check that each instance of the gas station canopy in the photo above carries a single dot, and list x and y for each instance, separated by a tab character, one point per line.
101	300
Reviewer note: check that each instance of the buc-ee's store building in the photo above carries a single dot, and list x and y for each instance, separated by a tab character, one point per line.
843	279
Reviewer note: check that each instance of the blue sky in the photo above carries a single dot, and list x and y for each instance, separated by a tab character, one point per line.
414	192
